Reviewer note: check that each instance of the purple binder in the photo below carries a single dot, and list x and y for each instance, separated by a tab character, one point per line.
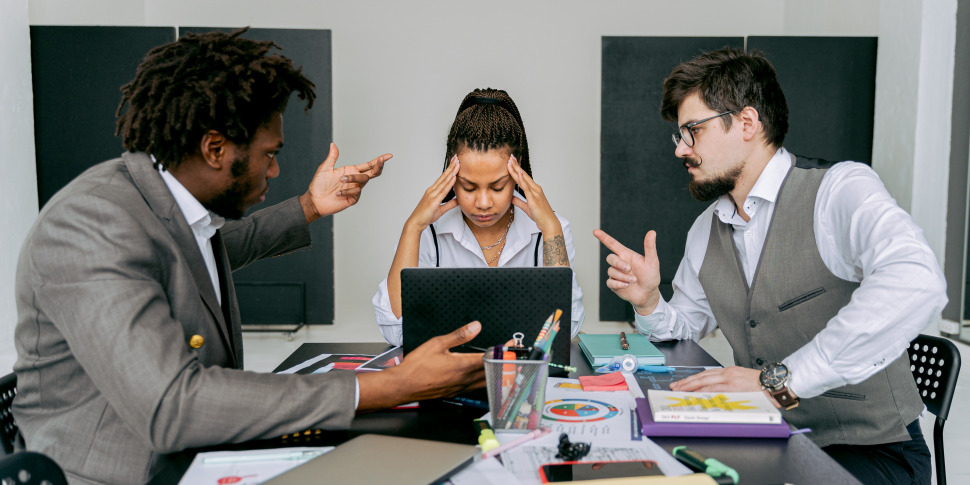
707	430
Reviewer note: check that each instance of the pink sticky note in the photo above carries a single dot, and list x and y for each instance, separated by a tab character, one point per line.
604	382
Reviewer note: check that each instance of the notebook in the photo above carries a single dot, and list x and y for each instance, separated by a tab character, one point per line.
600	348
649	427
380	459
436	301
712	407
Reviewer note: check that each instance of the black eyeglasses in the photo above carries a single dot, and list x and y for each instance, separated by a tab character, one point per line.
686	132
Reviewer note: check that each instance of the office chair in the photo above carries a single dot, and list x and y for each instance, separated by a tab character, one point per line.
8	429
29	468
935	363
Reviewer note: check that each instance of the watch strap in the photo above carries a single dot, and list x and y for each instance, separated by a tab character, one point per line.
785	398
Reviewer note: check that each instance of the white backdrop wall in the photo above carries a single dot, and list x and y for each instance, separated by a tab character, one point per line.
401	68
19	181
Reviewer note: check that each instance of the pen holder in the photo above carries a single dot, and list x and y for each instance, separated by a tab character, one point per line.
516	389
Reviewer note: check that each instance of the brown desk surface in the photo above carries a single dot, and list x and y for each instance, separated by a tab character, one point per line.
758	461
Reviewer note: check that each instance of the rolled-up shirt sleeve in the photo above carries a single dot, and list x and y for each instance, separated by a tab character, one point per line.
864	236
388	324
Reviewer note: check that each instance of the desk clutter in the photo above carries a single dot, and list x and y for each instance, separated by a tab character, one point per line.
597	426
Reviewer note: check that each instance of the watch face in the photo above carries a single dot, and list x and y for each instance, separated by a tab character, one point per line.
774	375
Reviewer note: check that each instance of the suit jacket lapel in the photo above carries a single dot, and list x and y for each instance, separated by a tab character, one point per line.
160	199
230	305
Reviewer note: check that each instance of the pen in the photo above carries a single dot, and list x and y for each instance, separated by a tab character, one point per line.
512	444
623	343
464	401
567	368
287	456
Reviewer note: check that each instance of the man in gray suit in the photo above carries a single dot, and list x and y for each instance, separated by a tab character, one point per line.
817	278
128	338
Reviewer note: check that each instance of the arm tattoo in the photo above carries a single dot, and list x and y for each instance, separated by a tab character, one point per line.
554	252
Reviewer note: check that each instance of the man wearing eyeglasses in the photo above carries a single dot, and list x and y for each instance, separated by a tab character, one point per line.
814	274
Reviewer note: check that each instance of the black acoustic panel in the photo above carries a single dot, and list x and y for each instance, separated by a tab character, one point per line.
307	136
643	186
273	303
77	77
830	85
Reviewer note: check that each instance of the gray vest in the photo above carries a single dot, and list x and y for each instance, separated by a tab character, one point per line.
791	299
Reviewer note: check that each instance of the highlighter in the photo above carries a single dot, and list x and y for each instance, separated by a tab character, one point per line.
707	465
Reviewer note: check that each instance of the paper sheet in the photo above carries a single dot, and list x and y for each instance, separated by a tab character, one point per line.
524	461
248	467
585	415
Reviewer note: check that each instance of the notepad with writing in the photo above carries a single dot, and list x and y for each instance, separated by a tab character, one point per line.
712	407
600	348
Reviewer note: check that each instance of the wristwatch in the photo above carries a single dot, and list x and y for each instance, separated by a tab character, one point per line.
774	379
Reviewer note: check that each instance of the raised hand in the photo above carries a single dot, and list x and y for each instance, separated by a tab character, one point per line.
430	208
633	277
335	189
536	206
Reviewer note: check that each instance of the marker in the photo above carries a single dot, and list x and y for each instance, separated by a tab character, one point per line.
512	444
486	437
623	343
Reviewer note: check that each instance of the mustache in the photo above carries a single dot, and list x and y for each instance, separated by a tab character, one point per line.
693	162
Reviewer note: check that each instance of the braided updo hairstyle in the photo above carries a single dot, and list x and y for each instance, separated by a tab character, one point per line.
488	119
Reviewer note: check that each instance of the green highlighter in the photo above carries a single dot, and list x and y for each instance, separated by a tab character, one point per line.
700	462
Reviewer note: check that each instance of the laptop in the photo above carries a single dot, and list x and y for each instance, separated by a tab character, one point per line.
379	459
436	301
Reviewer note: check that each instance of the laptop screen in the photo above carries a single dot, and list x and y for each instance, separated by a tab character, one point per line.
436	301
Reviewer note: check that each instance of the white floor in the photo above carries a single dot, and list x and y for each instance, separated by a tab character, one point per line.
264	351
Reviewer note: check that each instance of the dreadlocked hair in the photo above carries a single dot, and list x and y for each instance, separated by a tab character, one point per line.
201	82
488	119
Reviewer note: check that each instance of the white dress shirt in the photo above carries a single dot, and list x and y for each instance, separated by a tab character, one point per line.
204	225
862	236
458	248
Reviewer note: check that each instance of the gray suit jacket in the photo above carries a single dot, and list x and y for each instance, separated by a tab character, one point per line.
111	288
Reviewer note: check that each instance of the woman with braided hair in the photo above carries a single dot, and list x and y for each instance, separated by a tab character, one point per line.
503	217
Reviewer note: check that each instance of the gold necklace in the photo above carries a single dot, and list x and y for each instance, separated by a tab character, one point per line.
501	239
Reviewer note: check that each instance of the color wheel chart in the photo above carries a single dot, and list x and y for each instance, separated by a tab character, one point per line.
578	410
586	418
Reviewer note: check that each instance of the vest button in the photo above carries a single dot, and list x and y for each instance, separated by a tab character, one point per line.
196	341
753	323
760	362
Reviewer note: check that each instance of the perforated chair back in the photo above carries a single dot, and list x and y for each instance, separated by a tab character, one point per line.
935	363
8	429
30	468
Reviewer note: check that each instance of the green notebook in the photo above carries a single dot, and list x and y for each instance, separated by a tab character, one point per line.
600	348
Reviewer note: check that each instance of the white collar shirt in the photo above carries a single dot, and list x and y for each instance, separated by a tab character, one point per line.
203	222
863	236
458	248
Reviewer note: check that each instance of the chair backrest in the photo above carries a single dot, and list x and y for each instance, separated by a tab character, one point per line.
30	468
935	363
8	429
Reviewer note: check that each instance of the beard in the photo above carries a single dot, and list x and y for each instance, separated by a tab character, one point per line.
230	203
718	185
